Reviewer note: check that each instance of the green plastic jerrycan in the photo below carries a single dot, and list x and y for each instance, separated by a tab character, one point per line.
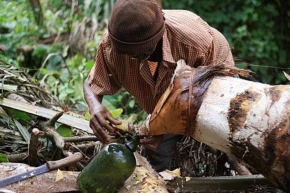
108	171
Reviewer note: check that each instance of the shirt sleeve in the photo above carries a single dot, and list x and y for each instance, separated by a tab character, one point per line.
221	51
102	78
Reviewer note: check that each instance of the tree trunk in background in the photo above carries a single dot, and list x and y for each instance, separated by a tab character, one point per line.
37	11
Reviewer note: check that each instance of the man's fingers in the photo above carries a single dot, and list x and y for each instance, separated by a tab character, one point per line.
99	132
113	120
106	125
98	136
105	136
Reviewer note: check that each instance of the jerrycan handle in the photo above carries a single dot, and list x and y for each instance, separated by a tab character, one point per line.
131	142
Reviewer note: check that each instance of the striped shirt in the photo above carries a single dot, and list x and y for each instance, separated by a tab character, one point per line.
186	37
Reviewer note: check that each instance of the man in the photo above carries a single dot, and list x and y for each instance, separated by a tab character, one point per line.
139	52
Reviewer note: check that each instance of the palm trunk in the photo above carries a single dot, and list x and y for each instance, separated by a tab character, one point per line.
246	119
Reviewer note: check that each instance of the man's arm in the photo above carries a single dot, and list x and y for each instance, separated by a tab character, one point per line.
101	119
90	97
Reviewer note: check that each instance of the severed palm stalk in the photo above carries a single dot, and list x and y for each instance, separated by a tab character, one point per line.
245	119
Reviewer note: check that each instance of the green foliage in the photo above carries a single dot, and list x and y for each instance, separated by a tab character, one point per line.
21	116
54	64
23	130
20	29
116	113
126	102
64	130
15	128
3	158
67	82
258	32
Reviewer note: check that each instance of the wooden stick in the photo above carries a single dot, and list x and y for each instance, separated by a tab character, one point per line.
33	147
80	139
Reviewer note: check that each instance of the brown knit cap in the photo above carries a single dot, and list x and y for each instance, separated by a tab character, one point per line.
135	26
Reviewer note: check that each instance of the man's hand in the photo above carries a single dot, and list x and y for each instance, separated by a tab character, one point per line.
102	121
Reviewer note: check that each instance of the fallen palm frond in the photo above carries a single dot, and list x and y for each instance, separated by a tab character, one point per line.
25	94
15	81
26	104
67	119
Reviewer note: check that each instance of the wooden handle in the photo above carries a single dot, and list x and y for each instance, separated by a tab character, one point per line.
52	165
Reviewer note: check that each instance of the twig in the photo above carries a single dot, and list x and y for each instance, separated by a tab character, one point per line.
19	157
80	139
85	147
48	128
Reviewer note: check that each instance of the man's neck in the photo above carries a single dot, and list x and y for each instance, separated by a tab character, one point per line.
156	56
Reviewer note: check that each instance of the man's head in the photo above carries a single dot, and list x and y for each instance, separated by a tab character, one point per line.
135	27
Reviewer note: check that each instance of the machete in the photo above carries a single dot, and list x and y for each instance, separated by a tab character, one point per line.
48	166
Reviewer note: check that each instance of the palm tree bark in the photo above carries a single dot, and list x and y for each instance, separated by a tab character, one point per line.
245	119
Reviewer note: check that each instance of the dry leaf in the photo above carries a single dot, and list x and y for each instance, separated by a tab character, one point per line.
59	175
128	187
175	172
287	75
170	175
166	176
124	126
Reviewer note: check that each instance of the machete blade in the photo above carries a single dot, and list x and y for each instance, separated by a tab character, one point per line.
19	177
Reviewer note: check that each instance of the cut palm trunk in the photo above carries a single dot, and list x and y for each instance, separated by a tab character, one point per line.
246	119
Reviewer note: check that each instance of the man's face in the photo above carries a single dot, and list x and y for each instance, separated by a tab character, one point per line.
144	56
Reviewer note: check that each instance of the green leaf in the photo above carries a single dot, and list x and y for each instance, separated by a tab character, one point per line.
69	90
117	112
3	158
64	131
87	116
65	51
90	64
132	103
19	115
53	62
40	51
108	104
25	134
15	147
